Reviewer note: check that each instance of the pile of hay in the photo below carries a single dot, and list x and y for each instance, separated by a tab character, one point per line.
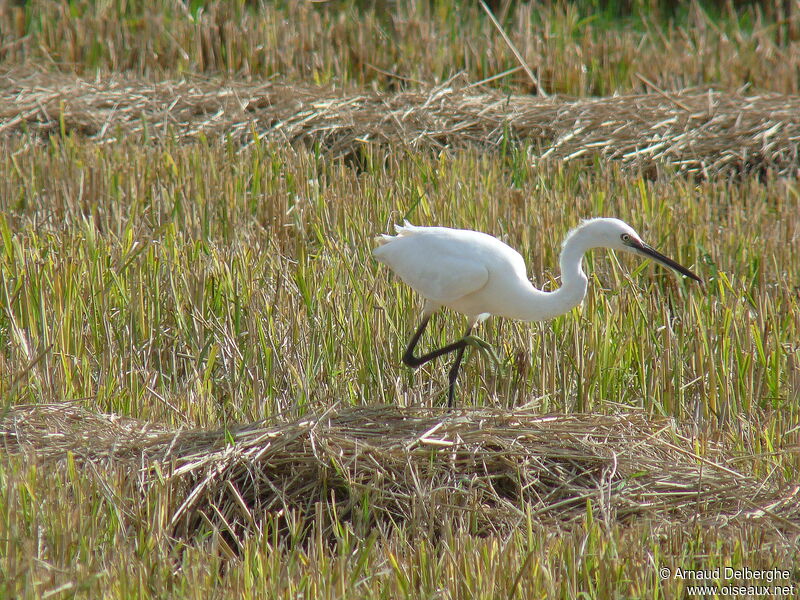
381	466
701	132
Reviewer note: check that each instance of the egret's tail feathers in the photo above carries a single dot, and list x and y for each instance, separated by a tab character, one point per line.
402	231
383	238
405	229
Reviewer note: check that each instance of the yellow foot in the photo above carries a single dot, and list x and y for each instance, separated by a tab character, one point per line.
483	347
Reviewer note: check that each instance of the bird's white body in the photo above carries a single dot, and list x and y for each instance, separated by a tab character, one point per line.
478	275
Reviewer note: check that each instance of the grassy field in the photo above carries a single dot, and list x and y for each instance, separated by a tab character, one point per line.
577	48
206	285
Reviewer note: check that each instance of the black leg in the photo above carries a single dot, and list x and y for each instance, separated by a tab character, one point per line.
417	361
453	374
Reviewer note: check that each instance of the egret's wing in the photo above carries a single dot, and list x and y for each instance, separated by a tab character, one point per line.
432	267
447	278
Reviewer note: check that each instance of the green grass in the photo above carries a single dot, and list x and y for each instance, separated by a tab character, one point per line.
247	289
202	285
138	281
86	549
575	48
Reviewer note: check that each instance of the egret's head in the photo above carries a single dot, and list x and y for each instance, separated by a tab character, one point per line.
616	234
605	233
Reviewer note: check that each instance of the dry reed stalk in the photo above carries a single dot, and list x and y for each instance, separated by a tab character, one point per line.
376	466
701	132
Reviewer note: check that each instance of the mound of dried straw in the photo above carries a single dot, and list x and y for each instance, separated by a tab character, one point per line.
379	466
702	132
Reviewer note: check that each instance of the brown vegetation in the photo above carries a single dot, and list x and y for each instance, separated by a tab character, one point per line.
696	131
487	470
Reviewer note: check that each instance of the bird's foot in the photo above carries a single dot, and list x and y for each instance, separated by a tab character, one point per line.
483	347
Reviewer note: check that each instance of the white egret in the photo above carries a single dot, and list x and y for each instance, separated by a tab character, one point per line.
477	275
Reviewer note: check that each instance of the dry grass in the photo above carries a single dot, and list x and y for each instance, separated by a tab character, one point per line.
483	471
700	132
573	49
190	251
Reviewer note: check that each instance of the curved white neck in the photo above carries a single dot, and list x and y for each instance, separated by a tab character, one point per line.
573	279
536	305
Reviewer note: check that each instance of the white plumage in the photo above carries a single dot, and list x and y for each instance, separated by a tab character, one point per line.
478	275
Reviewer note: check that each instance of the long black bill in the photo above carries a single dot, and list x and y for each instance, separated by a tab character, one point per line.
667	262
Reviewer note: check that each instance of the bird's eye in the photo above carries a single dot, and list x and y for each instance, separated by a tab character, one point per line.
625	237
